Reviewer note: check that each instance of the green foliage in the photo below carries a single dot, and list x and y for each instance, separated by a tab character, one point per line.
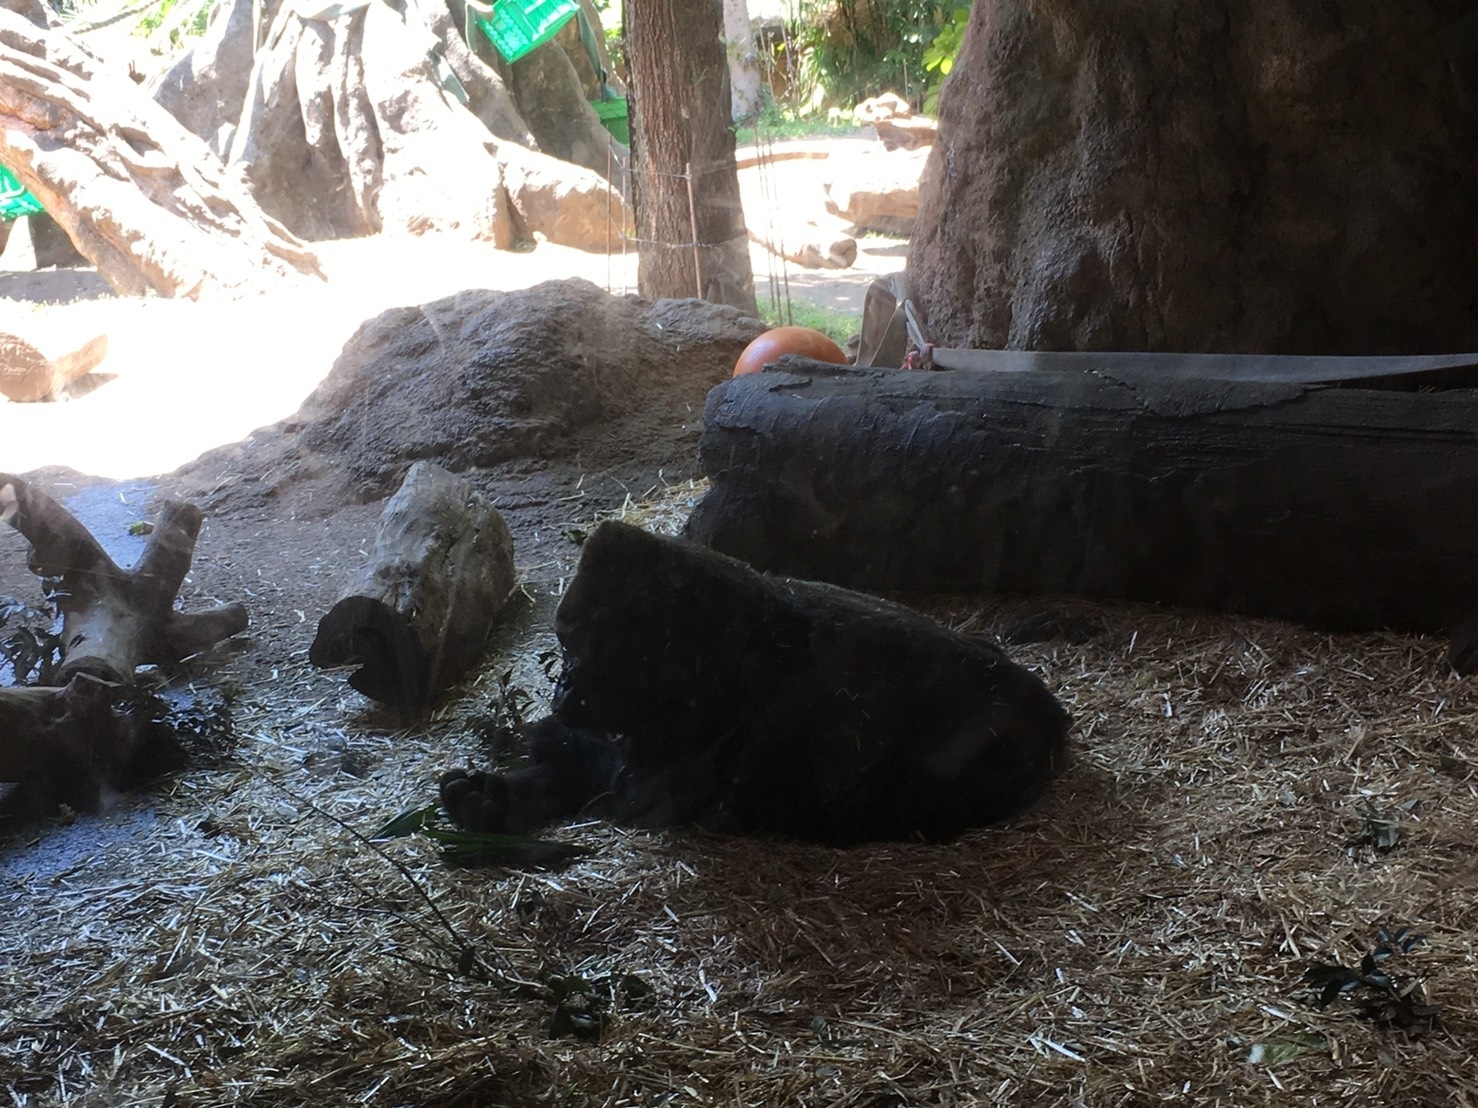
613	27
175	20
852	49
777	121
939	58
168	22
836	325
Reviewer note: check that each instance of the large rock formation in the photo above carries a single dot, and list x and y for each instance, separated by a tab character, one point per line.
483	380
1281	177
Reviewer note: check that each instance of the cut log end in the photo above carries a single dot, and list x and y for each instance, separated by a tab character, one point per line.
364	632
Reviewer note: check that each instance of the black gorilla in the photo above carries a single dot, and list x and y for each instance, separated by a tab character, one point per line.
697	691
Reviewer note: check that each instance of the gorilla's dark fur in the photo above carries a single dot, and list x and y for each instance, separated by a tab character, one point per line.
697	691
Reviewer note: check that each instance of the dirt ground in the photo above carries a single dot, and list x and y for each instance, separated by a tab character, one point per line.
1247	798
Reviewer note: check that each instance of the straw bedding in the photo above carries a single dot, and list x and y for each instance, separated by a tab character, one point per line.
1246	798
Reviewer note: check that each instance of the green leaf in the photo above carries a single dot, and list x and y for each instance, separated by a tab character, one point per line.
1285	1050
408	823
475	849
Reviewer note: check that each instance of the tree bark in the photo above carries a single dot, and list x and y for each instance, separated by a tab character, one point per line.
417	616
113	621
690	222
1237	489
141	198
1283	178
744	67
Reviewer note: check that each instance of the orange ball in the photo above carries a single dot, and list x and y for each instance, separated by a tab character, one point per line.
788	340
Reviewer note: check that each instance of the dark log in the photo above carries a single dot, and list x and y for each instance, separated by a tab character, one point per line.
416	617
1222	483
113	621
753	705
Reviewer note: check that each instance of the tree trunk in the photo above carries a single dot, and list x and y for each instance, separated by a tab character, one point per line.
418	615
744	62
1240	486
113	621
141	198
685	185
1280	177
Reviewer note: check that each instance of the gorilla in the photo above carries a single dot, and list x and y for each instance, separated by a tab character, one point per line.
695	691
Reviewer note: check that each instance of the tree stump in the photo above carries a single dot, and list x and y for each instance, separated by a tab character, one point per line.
113	621
140	197
417	616
1249	490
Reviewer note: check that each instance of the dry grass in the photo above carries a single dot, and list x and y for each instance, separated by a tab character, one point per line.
1136	938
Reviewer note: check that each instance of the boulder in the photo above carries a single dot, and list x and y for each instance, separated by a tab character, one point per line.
347	130
888	105
809	244
877	191
206	88
554	104
564	203
906	134
484	378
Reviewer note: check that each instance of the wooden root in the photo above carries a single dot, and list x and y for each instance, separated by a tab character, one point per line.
113	621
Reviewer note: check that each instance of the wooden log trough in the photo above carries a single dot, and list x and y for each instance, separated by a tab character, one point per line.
1337	492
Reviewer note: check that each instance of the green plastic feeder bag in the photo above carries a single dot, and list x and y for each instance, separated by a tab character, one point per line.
15	201
519	26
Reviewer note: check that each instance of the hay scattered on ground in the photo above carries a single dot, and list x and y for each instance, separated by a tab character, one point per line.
1247	797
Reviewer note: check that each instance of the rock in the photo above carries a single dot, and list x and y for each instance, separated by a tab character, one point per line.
483	378
553	103
347	131
906	134
888	105
877	191
485	86
205	89
1115	176
565	203
809	244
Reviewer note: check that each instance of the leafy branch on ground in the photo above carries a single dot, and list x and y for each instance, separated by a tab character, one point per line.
1379	994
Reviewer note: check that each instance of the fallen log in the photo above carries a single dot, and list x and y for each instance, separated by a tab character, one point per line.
1317	490
697	691
809	244
28	374
113	621
416	617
